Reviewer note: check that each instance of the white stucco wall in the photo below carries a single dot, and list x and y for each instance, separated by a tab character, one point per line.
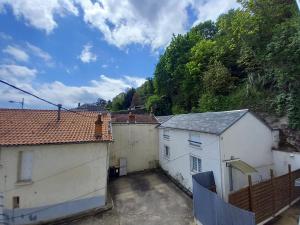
250	140
178	166
60	173
283	159
138	143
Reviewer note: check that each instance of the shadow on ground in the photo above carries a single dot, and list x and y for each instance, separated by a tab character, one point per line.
145	199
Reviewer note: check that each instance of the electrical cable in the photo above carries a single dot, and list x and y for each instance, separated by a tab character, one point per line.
42	99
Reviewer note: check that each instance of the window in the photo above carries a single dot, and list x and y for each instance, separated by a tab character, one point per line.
195	139
196	164
25	166
166	134
16	202
167	152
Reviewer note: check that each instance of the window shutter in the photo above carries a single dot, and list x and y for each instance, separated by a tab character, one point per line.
26	166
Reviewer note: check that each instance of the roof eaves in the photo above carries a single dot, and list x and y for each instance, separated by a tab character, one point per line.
56	143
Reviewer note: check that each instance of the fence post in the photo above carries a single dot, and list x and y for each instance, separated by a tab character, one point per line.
273	191
290	183
250	194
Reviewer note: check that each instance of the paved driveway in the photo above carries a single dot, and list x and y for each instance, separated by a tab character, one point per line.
145	199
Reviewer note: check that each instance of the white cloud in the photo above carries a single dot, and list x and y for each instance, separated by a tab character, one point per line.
39	52
16	52
86	55
21	76
133	21
147	22
135	81
40	13
9	72
104	66
210	10
5	36
58	92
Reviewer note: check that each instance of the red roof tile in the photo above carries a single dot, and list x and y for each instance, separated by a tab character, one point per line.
139	118
33	127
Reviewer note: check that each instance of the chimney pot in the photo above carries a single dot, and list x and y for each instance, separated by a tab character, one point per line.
131	117
98	127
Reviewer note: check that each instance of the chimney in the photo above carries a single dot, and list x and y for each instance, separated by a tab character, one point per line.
78	104
131	117
58	111
151	111
98	127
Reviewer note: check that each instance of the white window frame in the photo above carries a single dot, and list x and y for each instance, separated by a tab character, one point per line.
166	156
166	134
197	167
195	142
25	171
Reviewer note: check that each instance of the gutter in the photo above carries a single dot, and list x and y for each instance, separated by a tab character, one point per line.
221	170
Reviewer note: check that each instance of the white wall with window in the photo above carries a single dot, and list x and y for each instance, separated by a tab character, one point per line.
195	139
190	153
166	152
166	134
196	164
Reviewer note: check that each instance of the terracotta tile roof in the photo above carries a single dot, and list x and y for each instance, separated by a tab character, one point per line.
33	127
139	118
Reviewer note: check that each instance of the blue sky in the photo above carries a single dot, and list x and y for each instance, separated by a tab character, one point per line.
71	51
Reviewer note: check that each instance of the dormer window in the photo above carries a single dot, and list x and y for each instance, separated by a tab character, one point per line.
194	139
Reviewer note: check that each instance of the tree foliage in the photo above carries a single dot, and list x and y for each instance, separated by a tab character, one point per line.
248	58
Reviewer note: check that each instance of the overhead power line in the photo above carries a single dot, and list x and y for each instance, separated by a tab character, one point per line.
42	99
27	92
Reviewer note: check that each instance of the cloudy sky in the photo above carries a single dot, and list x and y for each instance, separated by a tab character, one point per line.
71	51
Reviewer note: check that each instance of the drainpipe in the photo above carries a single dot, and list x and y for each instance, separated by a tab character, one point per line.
221	170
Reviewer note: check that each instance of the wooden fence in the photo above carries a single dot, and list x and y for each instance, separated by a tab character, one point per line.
268	197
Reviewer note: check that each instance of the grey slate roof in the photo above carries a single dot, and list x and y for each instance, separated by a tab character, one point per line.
162	119
209	122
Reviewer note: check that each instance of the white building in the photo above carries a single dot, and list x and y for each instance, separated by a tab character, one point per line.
52	167
135	142
232	144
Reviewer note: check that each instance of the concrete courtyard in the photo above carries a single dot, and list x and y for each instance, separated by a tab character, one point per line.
288	217
145	199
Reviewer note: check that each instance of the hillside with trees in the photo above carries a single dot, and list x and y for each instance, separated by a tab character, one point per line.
248	58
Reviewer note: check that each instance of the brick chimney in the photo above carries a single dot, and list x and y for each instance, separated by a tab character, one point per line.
131	117
98	127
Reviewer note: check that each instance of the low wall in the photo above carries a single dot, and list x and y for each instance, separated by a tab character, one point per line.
282	159
52	212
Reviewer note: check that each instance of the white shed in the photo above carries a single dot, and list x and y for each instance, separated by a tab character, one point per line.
232	144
